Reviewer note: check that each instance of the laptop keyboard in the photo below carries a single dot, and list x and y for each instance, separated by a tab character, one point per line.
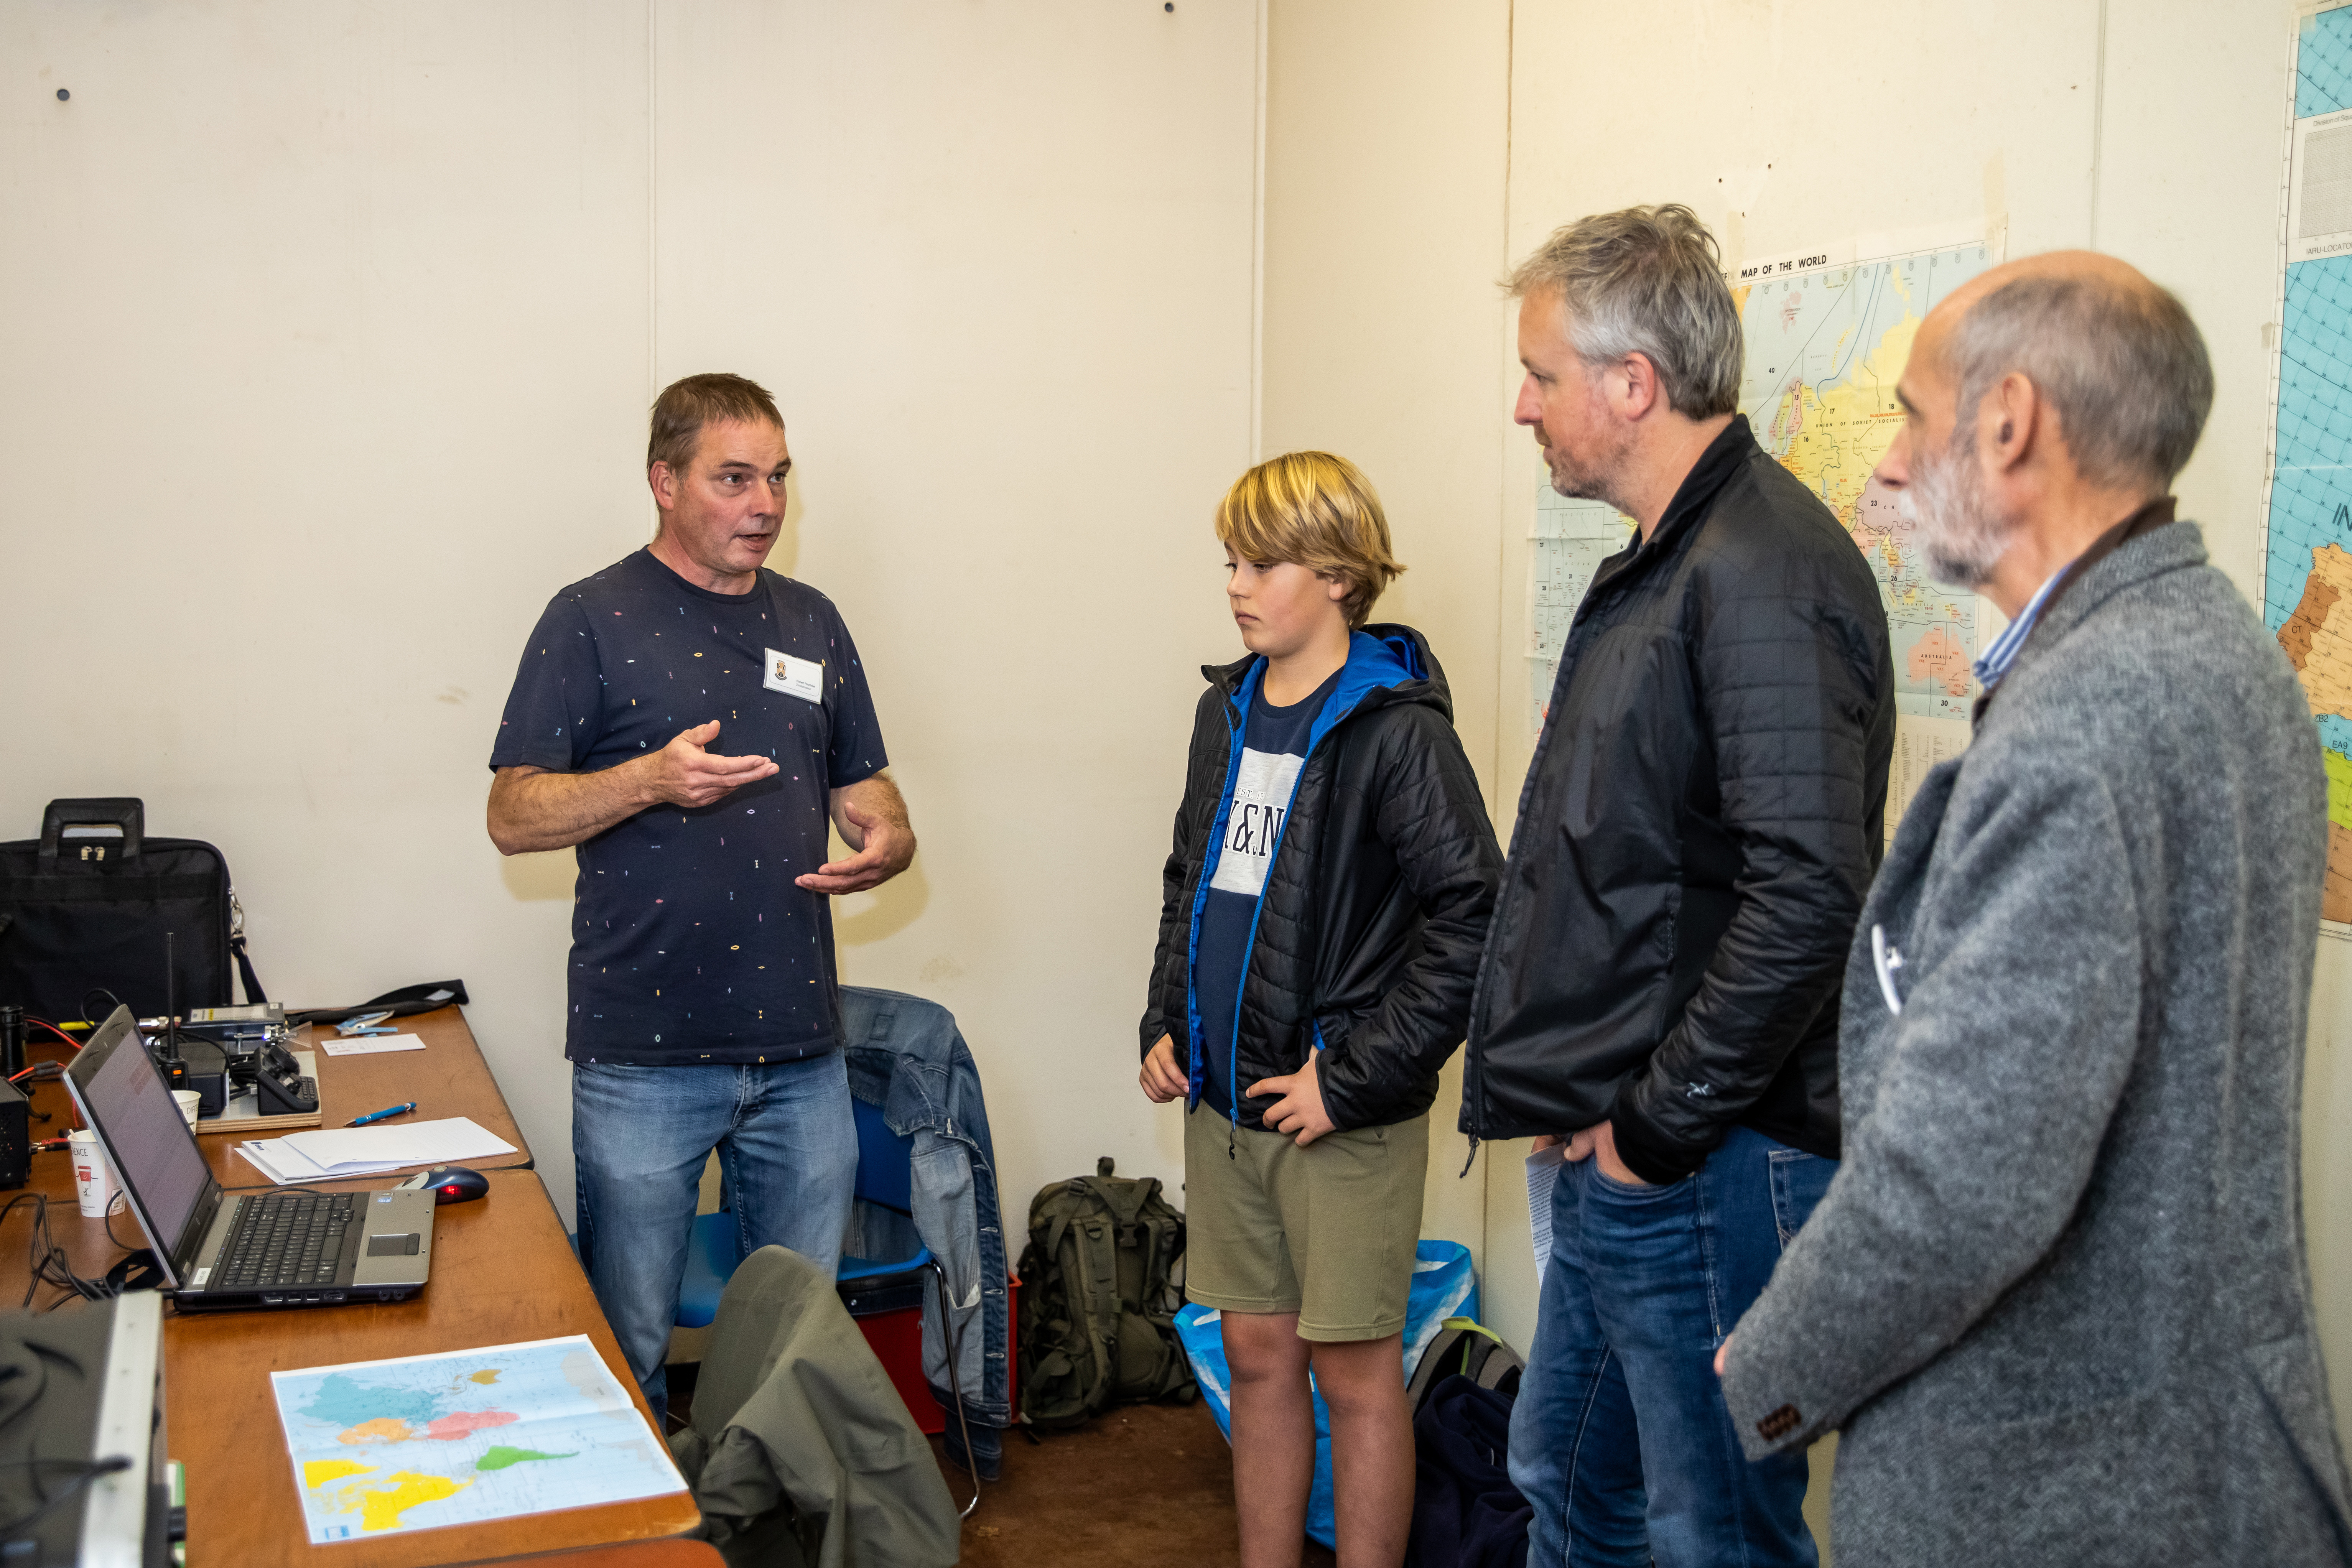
287	1238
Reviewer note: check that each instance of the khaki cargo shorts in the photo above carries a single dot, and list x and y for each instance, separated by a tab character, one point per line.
1326	1231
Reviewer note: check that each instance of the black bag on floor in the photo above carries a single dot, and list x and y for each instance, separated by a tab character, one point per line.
1099	1298
1466	1512
85	906
1465	1348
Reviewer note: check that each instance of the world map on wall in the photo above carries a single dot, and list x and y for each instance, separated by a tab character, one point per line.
1825	348
2307	555
1824	345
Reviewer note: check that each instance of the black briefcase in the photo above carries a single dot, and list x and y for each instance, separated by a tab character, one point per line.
86	906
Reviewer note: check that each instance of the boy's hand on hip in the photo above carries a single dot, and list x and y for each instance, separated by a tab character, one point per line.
1299	1112
1161	1078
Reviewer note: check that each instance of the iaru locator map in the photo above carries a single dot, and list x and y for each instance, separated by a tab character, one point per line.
2307	522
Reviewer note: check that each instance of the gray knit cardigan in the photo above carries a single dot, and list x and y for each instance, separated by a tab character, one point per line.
2056	1298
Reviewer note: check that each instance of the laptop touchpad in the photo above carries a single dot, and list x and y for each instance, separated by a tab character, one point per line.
402	1245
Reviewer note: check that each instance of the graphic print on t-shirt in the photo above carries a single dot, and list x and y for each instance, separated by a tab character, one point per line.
1262	788
692	942
1275	743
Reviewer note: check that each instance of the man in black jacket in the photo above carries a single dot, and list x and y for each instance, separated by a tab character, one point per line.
1698	825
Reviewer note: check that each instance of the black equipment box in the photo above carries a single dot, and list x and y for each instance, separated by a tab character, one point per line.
16	1137
88	903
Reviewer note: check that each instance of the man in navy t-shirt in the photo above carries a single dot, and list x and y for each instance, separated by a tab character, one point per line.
701	1013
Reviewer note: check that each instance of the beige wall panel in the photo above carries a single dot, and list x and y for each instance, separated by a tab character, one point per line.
2194	199
343	343
1386	128
1790	122
327	342
995	263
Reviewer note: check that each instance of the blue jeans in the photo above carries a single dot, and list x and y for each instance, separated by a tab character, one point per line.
787	1142
1620	1438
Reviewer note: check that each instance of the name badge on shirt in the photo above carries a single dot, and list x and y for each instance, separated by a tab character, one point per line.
801	678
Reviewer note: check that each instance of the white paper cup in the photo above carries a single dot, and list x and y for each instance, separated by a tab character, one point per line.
94	1182
188	1099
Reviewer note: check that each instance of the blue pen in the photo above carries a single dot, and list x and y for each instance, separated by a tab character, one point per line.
380	1115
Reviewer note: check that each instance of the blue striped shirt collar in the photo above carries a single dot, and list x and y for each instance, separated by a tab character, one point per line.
2003	652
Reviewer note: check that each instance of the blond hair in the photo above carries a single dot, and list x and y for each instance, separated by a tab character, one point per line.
1319	511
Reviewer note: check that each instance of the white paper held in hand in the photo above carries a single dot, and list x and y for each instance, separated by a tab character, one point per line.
1543	1176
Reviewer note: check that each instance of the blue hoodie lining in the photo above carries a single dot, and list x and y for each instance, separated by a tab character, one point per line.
1373	664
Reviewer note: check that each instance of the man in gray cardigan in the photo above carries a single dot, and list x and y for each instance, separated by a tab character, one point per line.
2056	1298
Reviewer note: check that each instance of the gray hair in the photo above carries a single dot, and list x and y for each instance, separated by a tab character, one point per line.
1648	282
2125	368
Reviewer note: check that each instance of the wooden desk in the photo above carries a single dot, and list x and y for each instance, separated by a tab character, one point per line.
671	1554
447	1078
502	1271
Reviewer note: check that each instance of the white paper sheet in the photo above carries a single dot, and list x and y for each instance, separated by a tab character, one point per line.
287	1168
334	1153
369	1045
1543	1175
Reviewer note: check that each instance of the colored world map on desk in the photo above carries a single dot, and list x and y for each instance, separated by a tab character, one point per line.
425	1441
2308	543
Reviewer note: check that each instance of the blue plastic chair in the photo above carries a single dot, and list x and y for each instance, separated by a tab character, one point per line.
885	1175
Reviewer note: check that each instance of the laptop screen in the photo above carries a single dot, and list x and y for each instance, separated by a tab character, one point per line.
130	1106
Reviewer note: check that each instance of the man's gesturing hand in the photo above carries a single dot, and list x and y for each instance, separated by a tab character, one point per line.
872	818
1162	1080
683	773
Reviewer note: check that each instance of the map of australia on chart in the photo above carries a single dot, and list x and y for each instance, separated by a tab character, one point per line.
2308	565
1825	348
425	1441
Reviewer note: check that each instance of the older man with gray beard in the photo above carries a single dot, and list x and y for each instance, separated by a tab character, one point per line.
2056	1298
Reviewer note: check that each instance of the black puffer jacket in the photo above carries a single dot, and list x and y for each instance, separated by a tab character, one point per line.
1699	824
1375	902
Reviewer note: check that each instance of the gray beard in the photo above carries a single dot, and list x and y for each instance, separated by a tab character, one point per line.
1957	531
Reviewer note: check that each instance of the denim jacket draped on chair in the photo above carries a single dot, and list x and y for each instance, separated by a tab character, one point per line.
906	1058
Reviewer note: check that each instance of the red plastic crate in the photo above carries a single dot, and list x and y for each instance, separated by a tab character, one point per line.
898	1340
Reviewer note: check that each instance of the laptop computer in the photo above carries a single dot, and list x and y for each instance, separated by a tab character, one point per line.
293	1248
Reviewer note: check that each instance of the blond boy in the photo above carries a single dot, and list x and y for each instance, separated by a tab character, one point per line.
1321	918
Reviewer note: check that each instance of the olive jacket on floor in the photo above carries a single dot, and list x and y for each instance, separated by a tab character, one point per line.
1375	900
2057	1297
801	1454
1699	822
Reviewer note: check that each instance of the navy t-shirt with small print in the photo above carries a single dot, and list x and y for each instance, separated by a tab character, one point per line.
691	942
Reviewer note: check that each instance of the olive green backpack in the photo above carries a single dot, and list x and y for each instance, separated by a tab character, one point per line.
1099	1298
